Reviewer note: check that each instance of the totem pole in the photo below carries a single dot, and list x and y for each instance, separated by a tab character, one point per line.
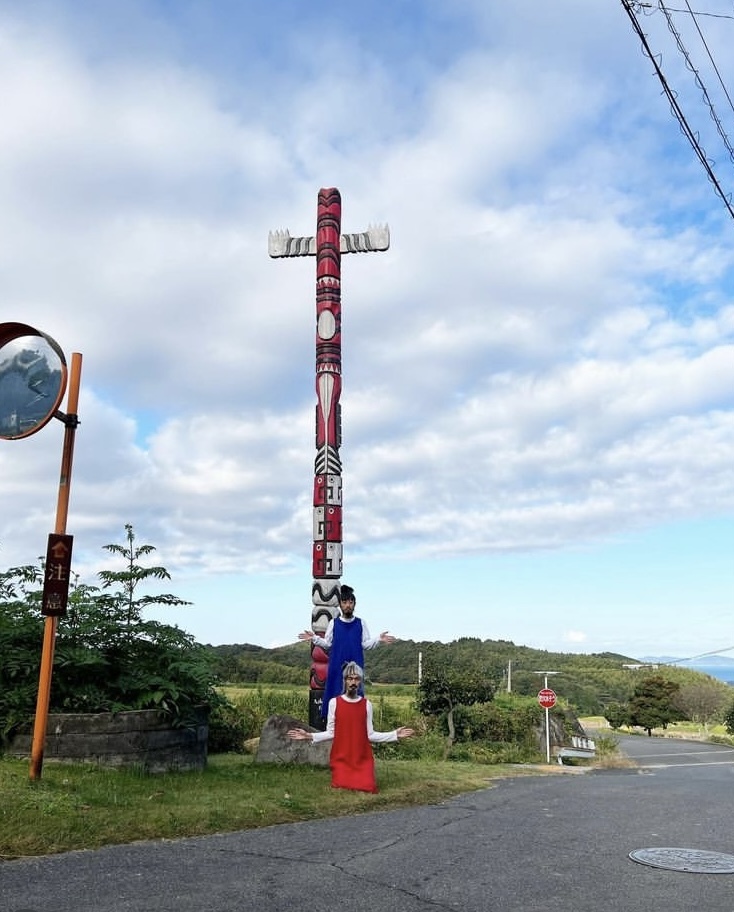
327	247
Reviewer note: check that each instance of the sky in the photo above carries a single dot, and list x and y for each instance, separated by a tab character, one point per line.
538	398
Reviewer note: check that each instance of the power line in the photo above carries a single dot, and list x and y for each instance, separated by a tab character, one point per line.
697	76
676	110
713	62
703	655
696	13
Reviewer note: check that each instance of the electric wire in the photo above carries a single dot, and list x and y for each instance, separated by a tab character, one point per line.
697	76
676	110
710	57
673	9
702	655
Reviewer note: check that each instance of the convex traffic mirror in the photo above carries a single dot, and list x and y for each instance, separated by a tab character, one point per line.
32	380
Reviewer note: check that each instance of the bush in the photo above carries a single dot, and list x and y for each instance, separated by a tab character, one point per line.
255	705
108	658
226	730
512	723
606	745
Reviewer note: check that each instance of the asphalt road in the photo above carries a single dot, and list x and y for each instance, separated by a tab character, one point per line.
557	842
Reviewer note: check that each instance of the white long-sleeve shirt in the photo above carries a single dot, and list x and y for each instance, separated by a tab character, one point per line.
326	640
372	735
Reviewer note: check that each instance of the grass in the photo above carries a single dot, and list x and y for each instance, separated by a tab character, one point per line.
394	704
78	806
83	806
683	730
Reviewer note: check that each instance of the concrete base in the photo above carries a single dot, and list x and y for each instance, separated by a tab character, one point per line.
139	738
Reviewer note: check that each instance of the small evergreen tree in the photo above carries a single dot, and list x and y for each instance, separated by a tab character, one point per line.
122	603
617	714
653	704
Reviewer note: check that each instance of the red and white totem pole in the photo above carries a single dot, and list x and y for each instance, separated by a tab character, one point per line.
328	246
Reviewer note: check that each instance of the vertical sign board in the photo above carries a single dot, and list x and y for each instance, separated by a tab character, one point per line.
58	575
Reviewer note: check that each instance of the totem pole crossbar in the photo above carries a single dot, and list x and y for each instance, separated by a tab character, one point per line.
327	246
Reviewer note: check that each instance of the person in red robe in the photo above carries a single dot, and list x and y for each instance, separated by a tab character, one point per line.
349	727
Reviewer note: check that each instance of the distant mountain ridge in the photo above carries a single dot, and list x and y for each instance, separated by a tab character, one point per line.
690	663
589	682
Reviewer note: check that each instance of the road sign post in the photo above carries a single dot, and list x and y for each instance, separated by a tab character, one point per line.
547	699
33	380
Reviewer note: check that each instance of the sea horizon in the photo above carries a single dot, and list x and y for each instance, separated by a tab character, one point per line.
723	673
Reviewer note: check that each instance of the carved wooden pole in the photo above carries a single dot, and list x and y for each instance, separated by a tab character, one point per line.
327	247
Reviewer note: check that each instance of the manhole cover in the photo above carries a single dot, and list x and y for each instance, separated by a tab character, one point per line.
693	860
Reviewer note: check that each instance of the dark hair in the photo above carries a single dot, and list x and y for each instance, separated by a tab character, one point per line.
346	592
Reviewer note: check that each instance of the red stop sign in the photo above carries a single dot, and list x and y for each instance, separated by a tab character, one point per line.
547	698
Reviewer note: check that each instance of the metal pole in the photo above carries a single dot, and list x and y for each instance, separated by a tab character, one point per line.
547	727
546	674
51	623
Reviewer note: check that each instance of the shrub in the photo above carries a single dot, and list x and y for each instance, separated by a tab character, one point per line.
107	656
606	745
226	730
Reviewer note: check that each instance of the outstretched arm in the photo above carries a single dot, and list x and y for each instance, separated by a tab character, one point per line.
369	642
385	737
300	734
323	641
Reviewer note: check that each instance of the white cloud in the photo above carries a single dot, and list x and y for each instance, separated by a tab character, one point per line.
544	356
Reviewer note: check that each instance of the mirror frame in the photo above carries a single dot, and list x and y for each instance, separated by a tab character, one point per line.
9	332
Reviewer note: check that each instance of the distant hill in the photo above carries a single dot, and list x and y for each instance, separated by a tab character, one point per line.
587	681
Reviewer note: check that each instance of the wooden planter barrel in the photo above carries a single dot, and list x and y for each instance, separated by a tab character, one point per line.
143	739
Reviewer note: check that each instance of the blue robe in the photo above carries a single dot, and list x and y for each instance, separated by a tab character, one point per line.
346	646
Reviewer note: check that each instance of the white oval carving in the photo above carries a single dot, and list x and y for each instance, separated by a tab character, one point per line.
326	325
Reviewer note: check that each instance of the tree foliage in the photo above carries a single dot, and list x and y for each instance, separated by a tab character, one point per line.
617	714
593	684
653	704
447	683
704	701
108	656
729	719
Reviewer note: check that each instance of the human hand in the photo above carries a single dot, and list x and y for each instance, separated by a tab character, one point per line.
306	635
386	637
299	734
404	732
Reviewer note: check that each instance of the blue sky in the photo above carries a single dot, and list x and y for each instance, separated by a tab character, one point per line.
538	404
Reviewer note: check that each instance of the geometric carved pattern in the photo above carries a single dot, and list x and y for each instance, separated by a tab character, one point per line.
327	247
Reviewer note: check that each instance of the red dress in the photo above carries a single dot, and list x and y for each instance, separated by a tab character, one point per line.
352	762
